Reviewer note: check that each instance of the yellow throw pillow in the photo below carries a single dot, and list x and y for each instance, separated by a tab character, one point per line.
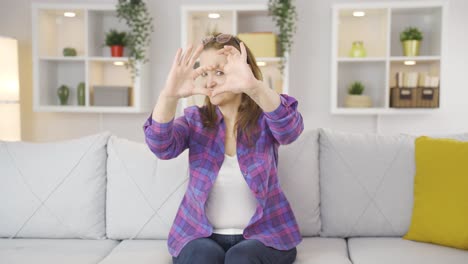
440	211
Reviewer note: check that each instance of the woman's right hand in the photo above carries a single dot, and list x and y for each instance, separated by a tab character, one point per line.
181	79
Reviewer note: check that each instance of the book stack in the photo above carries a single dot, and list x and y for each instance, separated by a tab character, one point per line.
416	79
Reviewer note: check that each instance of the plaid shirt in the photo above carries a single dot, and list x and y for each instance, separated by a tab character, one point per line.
273	222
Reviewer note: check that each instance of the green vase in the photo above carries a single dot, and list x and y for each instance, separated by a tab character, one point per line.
357	50
63	92
80	90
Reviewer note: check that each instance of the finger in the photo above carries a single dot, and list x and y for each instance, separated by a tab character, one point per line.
202	91
199	71
196	54
177	57
231	50
243	51
187	54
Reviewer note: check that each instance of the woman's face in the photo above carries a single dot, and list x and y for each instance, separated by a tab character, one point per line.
215	78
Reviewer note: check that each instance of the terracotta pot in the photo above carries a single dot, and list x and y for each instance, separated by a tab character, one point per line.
117	51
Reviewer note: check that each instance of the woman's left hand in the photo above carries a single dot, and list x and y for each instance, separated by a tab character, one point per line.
239	76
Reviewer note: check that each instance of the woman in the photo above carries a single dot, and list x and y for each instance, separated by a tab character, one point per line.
234	210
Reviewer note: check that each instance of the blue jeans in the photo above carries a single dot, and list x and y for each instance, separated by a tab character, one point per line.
232	249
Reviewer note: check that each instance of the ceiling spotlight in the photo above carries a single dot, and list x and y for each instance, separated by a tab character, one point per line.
119	63
214	15
410	63
359	13
69	14
261	63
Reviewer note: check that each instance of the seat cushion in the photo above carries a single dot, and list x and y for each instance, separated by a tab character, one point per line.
318	250
401	251
54	189
139	252
70	251
312	250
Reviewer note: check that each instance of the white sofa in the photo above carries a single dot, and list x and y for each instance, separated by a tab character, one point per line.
104	199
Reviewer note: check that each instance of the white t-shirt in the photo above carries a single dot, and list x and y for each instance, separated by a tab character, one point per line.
230	204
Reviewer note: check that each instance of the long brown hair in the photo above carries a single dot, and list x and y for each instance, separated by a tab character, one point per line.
248	110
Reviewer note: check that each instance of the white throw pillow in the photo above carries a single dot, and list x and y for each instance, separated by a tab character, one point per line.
143	192
53	189
366	183
298	172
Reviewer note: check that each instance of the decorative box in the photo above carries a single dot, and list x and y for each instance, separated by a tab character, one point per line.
262	44
111	95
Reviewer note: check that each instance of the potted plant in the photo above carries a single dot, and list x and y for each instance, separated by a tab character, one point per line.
355	96
411	39
116	41
284	14
138	19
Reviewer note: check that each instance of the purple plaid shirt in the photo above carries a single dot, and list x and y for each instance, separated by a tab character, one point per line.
273	222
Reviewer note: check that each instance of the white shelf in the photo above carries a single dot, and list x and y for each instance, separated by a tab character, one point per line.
380	31
235	19
56	58
366	59
93	65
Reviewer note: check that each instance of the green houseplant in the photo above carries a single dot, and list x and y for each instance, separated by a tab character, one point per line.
138	19
116	41
411	39
355	96
283	13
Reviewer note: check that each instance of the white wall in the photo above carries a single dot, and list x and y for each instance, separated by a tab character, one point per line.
309	74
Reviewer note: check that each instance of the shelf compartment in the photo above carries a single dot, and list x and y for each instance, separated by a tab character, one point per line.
430	67
255	21
101	22
103	72
372	76
56	32
426	19
53	74
371	29
199	25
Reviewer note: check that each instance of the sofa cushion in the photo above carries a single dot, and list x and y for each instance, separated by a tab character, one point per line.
312	250
397	250
366	183
143	192
318	250
53	189
298	174
139	252
70	251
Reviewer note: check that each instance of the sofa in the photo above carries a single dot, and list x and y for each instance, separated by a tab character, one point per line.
104	199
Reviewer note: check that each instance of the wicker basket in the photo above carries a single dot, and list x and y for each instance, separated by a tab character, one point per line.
419	97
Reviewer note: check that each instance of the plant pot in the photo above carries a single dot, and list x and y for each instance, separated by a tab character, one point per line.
117	51
411	47
358	101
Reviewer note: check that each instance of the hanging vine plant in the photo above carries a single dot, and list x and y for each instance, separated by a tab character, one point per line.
137	18
283	13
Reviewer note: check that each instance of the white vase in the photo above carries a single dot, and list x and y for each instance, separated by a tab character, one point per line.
358	101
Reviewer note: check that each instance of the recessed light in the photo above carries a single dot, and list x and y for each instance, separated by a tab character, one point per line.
261	63
69	14
359	13
214	15
410	63
119	63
